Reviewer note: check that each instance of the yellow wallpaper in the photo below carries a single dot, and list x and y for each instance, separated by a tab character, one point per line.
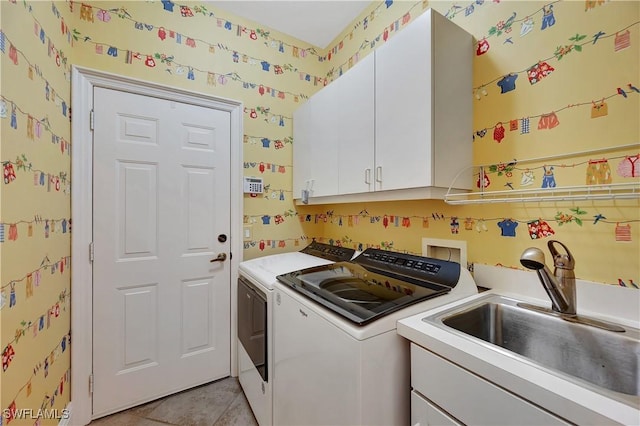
35	221
188	44
584	43
201	48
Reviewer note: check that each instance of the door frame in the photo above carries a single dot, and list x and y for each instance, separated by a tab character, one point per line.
83	82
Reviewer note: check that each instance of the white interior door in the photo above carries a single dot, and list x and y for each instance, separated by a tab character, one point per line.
161	191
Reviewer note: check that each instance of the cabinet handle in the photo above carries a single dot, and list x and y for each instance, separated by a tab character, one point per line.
379	174
367	176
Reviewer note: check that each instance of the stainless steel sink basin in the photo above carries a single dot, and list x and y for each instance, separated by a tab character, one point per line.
609	360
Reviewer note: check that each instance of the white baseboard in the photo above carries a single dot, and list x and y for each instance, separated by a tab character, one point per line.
66	421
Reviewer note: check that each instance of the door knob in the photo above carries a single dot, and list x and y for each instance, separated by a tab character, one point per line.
220	258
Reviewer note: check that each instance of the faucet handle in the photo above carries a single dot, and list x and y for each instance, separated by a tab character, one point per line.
561	260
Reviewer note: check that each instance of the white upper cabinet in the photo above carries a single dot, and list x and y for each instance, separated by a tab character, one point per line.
302	136
316	152
354	92
334	125
401	117
423	105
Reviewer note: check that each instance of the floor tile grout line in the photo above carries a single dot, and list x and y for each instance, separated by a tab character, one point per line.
229	412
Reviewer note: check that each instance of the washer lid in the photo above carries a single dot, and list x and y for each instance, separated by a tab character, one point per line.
265	269
374	284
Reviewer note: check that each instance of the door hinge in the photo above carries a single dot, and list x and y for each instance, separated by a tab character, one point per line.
91	118
91	252
91	384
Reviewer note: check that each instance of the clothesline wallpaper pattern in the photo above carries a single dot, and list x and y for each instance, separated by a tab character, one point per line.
267	142
166	33
480	226
275	193
266	114
397	220
35	225
37	324
33	70
54	181
57	55
524	122
44	265
527	26
264	78
471	7
44	365
560	53
50	399
371	42
185	11
501	168
9	231
151	60
33	125
268	167
9	352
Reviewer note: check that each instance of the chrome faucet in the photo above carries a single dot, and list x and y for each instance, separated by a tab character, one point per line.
561	285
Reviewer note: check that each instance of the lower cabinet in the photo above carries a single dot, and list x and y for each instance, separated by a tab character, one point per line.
446	394
426	413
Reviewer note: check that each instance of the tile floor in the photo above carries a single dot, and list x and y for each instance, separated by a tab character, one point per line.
219	403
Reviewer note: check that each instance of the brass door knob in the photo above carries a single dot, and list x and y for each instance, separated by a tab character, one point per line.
220	258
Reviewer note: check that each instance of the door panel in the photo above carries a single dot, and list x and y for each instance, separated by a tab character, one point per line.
138	207
140	342
161	197
138	129
198	203
197	325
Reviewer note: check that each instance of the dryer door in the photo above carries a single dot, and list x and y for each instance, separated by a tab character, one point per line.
252	324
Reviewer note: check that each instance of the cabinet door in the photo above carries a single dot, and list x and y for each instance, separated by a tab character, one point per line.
426	413
354	115
301	149
403	115
316	145
470	398
324	148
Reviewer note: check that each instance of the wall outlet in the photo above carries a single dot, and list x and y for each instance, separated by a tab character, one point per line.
452	250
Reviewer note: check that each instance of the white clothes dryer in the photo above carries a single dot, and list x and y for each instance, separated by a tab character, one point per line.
256	281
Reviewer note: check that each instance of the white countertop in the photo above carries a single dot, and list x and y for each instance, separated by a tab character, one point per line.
557	394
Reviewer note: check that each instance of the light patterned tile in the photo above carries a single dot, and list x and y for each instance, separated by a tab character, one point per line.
220	403
124	418
201	406
143	410
238	413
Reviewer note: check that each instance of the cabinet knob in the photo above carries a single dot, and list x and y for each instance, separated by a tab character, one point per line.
379	174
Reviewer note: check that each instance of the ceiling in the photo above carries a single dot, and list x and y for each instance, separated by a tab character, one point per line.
317	22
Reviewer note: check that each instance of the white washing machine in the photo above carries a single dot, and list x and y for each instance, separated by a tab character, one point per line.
337	357
257	278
